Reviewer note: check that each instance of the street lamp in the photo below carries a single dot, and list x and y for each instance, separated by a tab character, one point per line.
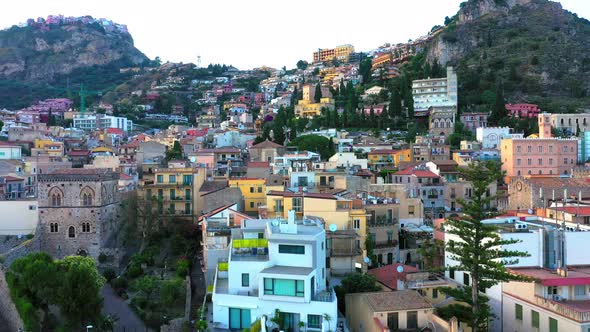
89	327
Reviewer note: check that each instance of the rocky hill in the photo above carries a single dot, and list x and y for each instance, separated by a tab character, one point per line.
34	58
533	50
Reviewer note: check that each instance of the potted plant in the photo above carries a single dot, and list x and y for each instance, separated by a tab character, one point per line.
301	326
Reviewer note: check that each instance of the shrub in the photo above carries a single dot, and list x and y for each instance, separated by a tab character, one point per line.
109	274
119	282
172	291
134	271
102	258
182	267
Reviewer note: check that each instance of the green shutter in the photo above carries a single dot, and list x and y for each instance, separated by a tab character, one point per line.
518	311
535	318
552	325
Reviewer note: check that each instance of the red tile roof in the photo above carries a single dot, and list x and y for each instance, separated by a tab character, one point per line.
388	275
116	131
12	178
266	144
582	210
417	172
301	194
258	164
125	177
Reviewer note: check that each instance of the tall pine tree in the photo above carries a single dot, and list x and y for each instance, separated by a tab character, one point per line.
317	96
479	249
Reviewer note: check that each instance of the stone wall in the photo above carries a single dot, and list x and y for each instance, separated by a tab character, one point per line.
9	318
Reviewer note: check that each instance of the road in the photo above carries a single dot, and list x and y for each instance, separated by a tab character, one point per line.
114	305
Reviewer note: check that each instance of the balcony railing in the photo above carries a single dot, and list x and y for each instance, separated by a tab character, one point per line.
327	295
566	308
382	223
386	244
345	252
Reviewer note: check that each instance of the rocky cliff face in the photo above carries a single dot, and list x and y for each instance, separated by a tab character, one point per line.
534	48
32	54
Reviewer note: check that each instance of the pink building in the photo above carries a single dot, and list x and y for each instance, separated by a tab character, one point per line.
523	110
542	155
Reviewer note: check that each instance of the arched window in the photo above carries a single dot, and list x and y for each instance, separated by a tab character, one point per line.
85	227
71	232
86	196
55	196
53	227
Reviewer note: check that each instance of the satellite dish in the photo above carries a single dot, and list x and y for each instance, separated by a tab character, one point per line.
530	211
275	222
400	268
333	227
367	260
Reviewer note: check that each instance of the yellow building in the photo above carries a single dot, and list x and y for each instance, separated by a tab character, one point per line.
342	53
346	243
381	158
48	147
253	190
176	190
308	109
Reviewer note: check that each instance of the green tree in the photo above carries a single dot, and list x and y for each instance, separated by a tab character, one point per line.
78	295
479	250
302	65
318	93
175	152
33	282
314	143
355	283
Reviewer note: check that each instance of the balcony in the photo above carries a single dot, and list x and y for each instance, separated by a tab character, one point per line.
327	295
382	222
386	244
249	250
575	310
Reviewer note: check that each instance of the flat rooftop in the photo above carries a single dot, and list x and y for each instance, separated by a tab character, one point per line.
577	275
292	270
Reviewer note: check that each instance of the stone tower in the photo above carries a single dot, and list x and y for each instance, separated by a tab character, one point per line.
544	125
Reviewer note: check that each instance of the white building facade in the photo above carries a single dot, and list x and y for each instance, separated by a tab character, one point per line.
490	137
275	264
435	92
100	121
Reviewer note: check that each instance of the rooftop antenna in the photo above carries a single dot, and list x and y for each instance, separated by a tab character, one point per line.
198	61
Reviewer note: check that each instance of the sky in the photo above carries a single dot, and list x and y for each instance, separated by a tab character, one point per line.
253	33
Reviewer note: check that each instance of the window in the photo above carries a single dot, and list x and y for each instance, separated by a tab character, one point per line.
393	321
580	290
239	318
160	178
434	293
187	208
529	149
314	321
466	279
356	224
552	324
160	193
251	204
540	149
245	280
71	232
283	287
172	178
187	194
518	311
297	204
259	189
412	317
187	179
529	162
550	148
85	227
173	194
550	161
518	149
411	210
535	318
87	199
291	249
565	161
251	189
278	205
518	162
540	162
53	227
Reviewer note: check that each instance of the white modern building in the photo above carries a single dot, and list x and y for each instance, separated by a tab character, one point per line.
559	297
490	137
275	265
19	217
101	121
435	92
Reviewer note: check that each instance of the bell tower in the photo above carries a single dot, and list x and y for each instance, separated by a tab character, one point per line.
544	125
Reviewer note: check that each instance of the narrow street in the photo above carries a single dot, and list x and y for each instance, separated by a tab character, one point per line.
127	319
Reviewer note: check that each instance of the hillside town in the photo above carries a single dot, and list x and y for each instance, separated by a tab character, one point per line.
326	197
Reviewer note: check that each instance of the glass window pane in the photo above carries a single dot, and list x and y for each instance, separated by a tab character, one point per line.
245	318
